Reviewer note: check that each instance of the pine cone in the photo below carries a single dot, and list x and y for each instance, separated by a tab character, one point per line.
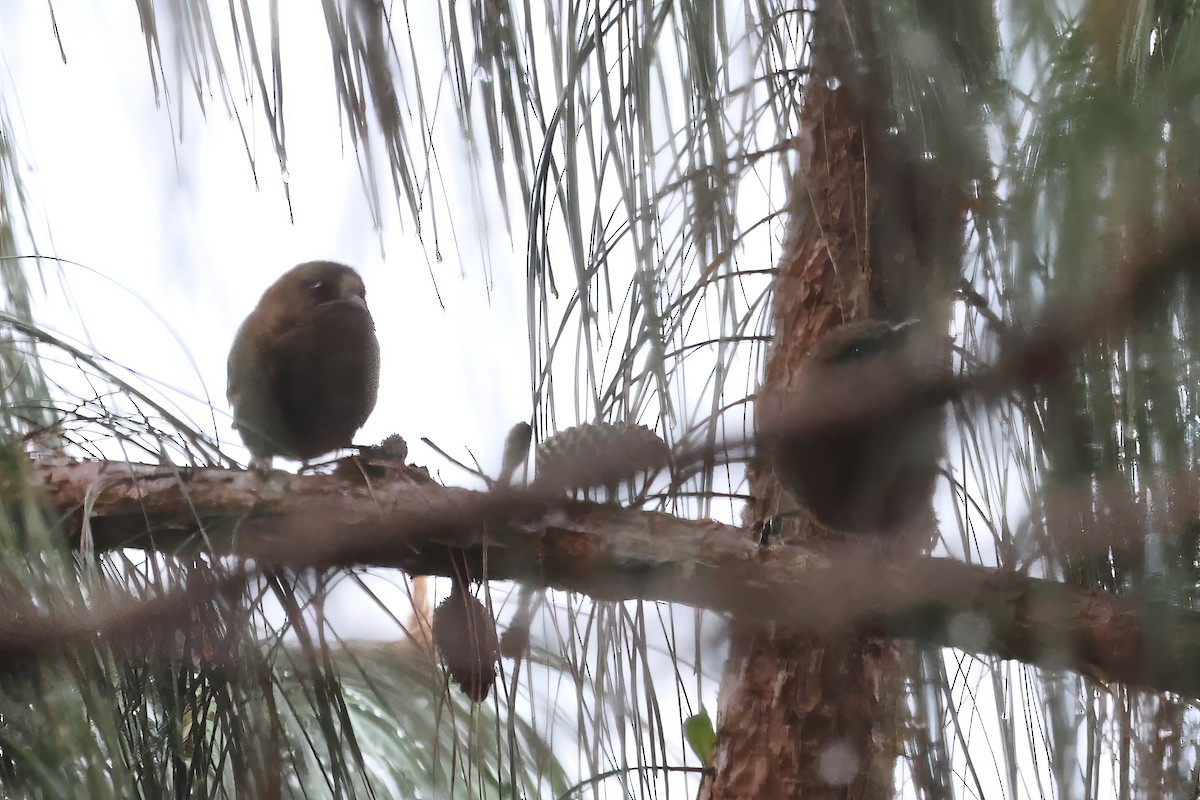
603	454
465	635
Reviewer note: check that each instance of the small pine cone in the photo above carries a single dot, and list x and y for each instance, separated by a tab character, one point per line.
515	641
391	452
383	461
394	448
516	450
603	454
465	635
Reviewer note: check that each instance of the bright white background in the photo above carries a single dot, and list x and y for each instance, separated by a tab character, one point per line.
163	203
173	241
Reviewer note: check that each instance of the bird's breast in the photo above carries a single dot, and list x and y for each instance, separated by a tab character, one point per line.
329	378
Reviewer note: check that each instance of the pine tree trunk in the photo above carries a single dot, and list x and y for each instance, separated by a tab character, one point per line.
874	233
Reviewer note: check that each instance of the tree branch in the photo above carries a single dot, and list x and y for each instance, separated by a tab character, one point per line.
611	553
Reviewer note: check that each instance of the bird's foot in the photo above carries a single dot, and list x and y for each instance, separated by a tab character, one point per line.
261	465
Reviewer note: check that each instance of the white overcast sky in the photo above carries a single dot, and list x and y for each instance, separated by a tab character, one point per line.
169	209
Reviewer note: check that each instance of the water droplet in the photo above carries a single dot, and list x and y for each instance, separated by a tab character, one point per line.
833	82
839	764
1194	109
893	130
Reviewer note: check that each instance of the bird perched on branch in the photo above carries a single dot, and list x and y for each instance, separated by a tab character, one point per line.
304	366
864	474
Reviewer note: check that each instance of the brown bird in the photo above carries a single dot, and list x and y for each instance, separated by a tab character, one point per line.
304	366
871	476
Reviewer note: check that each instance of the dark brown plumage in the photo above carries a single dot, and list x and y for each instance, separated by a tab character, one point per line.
873	476
304	366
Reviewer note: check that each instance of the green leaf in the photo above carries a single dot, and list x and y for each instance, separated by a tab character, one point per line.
698	730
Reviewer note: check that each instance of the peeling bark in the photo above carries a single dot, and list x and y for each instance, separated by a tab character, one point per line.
825	588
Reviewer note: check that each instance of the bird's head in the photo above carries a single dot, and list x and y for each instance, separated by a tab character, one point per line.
313	285
861	341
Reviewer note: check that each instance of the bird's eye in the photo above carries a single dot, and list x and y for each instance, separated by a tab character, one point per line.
859	349
323	291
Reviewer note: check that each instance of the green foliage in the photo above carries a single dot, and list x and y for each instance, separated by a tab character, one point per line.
701	737
26	398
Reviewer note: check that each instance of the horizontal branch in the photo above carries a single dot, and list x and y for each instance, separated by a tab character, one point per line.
408	522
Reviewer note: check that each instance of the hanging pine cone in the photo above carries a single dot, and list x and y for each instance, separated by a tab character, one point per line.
465	635
602	454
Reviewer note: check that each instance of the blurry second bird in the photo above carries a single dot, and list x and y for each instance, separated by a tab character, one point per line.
865	476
